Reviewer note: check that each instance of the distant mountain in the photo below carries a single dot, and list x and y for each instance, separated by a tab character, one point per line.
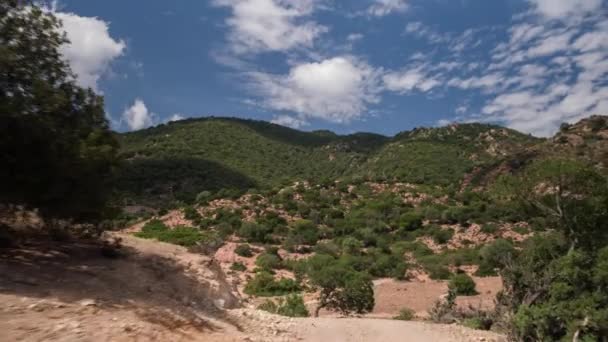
178	160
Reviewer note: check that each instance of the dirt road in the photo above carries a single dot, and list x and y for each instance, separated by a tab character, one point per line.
381	330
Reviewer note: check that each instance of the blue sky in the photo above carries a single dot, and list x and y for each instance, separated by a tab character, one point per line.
368	65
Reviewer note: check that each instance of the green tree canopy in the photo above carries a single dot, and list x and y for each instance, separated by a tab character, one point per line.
57	149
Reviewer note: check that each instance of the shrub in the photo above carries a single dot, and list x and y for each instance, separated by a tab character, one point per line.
253	232
462	285
442	236
405	314
244	250
304	232
341	288
494	256
410	221
238	266
489	228
264	285
293	306
190	213
184	236
268	261
269	306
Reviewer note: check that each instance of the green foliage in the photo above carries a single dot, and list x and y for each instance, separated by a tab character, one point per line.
572	196
494	256
244	250
303	232
293	306
184	236
290	306
190	213
555	287
462	285
253	232
264	285
57	150
405	314
268	261
341	288
439	235
238	266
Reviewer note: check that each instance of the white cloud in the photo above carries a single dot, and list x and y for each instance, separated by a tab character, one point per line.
410	79
91	48
137	116
338	89
270	25
353	37
546	72
418	29
289	121
381	8
554	9
176	117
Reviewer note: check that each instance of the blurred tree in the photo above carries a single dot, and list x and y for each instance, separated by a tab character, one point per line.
57	149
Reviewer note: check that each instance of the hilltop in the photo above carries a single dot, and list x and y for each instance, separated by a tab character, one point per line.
178	160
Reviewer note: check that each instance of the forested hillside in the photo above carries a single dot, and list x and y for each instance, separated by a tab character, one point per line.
180	159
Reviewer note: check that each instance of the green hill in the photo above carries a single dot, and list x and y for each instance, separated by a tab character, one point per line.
186	157
181	159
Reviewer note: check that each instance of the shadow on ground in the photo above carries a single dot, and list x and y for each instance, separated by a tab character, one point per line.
157	288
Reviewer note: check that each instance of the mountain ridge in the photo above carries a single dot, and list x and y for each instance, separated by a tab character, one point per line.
213	153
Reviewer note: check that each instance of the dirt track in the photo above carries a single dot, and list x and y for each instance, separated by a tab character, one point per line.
381	330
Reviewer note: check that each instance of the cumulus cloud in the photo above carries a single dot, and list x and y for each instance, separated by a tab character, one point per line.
381	8
138	116
270	25
289	121
338	89
91	48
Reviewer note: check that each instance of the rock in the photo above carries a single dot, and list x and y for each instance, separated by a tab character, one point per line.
219	303
88	302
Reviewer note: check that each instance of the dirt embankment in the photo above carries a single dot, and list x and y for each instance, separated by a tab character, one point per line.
159	292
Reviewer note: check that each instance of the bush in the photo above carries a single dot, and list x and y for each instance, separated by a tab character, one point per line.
489	228
405	314
293	306
183	236
410	221
442	236
341	288
244	250
462	285
494	256
290	306
268	261
238	266
304	232
253	232
190	213
264	285
269	306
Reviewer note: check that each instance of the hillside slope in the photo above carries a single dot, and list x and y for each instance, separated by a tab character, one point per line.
177	161
190	156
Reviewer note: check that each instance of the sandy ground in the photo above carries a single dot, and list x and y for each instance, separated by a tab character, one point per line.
381	330
392	295
162	292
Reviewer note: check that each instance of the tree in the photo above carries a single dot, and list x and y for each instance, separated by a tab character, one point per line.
58	151
572	196
341	288
555	287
